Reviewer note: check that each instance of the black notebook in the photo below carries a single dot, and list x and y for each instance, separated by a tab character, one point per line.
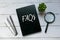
28	20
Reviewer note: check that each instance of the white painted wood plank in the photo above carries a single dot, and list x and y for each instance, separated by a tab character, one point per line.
34	39
11	8
14	1
51	38
56	1
22	39
27	1
31	39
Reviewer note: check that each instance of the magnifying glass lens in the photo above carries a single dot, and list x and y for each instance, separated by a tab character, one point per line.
49	17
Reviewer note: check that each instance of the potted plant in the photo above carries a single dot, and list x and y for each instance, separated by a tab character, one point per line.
42	7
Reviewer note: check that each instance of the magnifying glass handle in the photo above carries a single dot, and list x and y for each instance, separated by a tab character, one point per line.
46	28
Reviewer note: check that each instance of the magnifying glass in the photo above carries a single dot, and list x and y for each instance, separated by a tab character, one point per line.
49	18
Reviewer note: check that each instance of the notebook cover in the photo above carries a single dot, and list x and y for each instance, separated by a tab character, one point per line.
28	20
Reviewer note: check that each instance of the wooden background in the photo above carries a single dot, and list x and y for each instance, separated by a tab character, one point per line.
8	7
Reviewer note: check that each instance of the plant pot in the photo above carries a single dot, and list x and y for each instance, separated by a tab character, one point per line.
42	13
